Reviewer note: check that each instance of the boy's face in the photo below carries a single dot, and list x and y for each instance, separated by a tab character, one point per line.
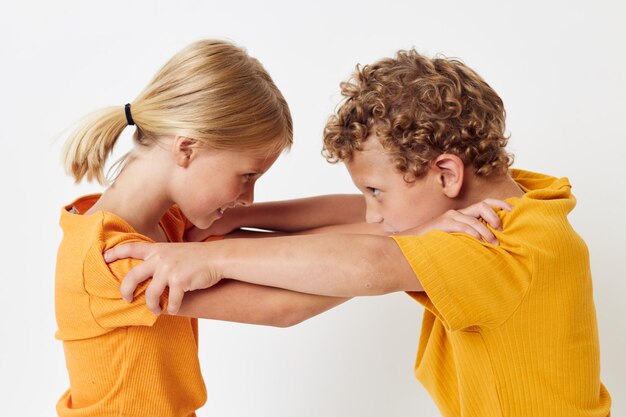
395	203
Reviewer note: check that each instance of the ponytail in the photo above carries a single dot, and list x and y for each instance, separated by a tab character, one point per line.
90	144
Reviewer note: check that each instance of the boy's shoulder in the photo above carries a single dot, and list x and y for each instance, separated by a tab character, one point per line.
543	209
542	187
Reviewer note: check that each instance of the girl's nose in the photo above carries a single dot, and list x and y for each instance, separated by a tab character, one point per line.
247	197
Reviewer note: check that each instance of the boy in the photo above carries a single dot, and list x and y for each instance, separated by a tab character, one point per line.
509	329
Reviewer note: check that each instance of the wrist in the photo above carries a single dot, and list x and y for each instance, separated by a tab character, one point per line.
219	256
233	219
242	217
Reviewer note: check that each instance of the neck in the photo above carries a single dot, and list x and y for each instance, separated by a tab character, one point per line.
138	196
476	189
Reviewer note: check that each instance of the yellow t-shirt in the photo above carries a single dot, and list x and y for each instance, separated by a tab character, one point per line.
122	360
510	330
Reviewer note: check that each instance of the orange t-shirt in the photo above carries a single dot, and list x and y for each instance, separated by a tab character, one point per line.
122	360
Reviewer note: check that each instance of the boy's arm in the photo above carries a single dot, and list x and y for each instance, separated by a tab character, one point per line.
255	304
344	265
288	216
333	265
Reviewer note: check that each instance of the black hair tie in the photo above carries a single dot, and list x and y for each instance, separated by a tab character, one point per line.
129	117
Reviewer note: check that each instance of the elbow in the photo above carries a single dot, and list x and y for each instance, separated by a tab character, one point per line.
368	289
375	279
291	314
386	269
288	319
283	324
377	285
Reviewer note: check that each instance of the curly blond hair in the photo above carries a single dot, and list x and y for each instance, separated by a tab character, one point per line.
420	108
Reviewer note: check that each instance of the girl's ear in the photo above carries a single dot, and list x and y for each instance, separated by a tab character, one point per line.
450	171
183	150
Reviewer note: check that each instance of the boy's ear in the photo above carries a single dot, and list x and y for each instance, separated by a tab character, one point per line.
449	170
183	150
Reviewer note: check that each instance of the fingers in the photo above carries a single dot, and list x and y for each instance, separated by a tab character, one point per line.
153	294
134	277
170	265
498	203
175	300
484	210
137	250
472	226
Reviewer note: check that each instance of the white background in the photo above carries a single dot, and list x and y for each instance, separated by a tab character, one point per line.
559	67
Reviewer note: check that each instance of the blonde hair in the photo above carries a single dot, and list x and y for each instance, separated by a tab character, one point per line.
420	108
211	91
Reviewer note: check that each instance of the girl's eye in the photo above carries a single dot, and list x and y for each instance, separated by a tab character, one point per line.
249	177
375	191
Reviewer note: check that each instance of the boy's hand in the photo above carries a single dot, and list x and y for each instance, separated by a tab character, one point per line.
467	221
180	266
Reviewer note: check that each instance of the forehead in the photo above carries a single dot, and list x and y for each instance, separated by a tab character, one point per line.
246	160
372	161
261	162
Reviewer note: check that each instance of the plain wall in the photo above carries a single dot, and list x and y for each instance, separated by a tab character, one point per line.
558	66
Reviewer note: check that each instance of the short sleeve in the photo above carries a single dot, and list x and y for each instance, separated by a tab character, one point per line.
466	282
102	283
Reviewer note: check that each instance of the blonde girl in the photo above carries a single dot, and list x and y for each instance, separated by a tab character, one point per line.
208	125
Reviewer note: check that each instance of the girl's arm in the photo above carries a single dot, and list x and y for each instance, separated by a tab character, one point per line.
352	228
255	304
288	216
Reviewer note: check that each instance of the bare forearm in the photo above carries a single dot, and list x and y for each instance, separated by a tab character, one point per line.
331	265
358	228
305	213
255	304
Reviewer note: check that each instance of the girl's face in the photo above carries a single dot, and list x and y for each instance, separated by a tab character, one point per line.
207	182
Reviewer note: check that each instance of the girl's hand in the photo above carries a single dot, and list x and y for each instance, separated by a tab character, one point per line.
467	221
179	266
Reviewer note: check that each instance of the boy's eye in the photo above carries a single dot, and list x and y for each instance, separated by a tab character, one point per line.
249	177
374	191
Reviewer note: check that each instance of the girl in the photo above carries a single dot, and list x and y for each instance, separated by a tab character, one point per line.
208	126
